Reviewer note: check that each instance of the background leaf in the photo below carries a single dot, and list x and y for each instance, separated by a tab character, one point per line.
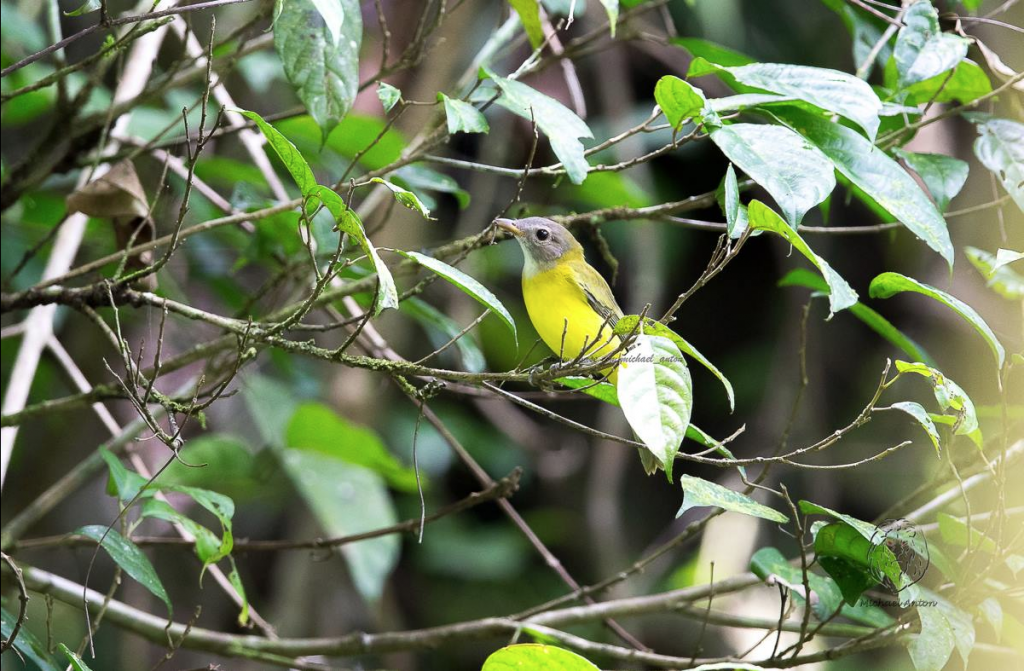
917	411
1000	148
922	50
943	175
536	656
699	492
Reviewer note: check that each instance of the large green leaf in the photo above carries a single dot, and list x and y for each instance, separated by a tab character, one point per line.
321	59
887	285
628	324
917	411
656	396
943	175
699	492
847	556
967	83
948	394
802	277
129	557
560	124
678	99
467	284
957	532
831	90
462	117
536	656
1000	148
796	174
27	645
317	428
710	51
529	16
880	177
1001	278
922	50
76	662
841	295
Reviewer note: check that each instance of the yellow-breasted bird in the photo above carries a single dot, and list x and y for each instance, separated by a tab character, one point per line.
569	303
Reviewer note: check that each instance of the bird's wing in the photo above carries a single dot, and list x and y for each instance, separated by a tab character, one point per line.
599	295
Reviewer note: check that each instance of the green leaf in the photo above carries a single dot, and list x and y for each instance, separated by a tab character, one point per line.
536	656
348	221
604	391
348	499
678	100
290	156
948	394
768	562
830	90
129	557
466	284
236	583
463	117
805	278
736	215
865	529
76	662
472	358
954	421
1000	148
628	324
917	411
317	428
333	14
880	177
798	182
841	295
419	177
866	31
849	558
887	285
1001	279
715	53
932	648
560	124
87	7
323	69
122	483
529	16
967	83
208	547
699	492
922	51
407	198
611	8
656	396
992	611
956	532
943	175
30	647
389	95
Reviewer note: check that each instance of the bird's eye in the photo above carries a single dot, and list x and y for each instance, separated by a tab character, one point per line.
543	234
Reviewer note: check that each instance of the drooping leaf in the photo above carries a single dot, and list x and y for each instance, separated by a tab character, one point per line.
678	99
943	175
880	177
1000	148
628	325
736	215
407	198
466	284
948	394
290	156
611	8
472	358
388	95
529	16
699	492
236	583
852	560
932	648
129	557
463	117
922	50
1003	280
536	656
317	428
323	69
560	124
347	221
841	295
656	396
122	483
917	411
957	532
799	182
117	193
830	90
805	278
887	285
208	546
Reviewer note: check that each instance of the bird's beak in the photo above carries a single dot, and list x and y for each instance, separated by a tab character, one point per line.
509	225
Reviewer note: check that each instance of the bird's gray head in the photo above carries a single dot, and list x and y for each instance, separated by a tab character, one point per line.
544	242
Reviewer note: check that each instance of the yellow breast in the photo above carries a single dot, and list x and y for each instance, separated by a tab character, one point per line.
562	316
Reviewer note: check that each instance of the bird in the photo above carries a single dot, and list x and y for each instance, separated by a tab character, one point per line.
569	303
